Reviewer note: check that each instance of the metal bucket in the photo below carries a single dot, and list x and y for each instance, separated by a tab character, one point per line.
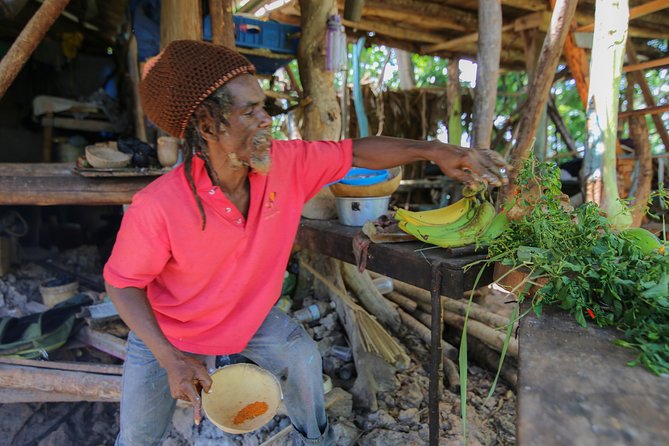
355	211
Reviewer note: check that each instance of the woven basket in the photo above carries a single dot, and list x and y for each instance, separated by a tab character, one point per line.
373	190
102	157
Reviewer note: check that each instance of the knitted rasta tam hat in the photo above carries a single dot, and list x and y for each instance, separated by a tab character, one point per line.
178	79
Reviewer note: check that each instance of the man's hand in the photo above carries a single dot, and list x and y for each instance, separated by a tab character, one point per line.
187	376
472	166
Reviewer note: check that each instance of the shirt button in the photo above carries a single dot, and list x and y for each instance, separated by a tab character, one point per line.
228	209
239	221
212	192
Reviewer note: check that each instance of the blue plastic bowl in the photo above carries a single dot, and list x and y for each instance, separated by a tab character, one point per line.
359	176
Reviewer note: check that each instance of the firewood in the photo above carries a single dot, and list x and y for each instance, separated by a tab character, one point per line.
370	298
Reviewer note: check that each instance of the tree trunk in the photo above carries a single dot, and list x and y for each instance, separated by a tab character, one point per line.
405	69
540	86
180	19
599	170
644	159
322	117
487	73
454	101
222	25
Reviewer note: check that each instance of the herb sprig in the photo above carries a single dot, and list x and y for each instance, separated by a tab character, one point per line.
589	270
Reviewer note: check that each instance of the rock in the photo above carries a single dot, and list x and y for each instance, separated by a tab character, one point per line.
345	432
384	437
410	395
408	415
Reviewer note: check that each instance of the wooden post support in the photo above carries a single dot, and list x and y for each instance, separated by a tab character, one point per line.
533	39
180	19
454	101
640	80
222	25
487	74
27	41
541	85
640	189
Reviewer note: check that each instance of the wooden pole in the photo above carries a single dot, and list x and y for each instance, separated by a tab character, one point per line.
638	131
640	80
487	73
634	13
24	45
561	128
577	61
532	39
322	115
637	66
222	25
454	102
180	19
541	85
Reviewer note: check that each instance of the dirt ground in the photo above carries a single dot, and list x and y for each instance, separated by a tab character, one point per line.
402	418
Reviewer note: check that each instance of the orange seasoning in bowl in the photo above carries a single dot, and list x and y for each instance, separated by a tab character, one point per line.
250	411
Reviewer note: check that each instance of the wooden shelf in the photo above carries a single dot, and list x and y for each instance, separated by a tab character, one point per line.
48	184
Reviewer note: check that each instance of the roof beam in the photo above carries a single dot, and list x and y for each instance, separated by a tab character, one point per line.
646	65
393	31
635	13
535	20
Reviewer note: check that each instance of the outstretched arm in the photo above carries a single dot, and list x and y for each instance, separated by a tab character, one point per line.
459	163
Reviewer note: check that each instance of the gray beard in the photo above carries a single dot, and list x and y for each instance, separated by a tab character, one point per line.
260	160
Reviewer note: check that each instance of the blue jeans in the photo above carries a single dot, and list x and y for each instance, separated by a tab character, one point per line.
280	345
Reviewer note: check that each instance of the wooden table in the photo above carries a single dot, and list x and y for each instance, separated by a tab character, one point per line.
575	388
431	269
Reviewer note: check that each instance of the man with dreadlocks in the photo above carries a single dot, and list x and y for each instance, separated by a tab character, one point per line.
199	259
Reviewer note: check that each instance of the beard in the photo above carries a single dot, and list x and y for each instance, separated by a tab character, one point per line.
260	160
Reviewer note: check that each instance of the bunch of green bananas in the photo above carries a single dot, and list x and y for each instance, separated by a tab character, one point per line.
462	223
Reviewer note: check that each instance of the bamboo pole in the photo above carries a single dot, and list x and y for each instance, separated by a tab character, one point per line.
24	45
540	87
493	338
370	298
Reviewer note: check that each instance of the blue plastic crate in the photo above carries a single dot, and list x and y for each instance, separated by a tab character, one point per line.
254	33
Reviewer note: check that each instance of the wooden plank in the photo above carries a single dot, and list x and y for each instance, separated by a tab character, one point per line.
635	13
85	385
47	184
86	125
662	62
409	262
431	14
103	369
644	111
584	392
102	341
9	396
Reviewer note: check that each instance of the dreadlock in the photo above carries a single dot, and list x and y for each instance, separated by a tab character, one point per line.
218	105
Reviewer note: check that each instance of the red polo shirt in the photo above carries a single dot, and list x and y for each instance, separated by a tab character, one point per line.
211	290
